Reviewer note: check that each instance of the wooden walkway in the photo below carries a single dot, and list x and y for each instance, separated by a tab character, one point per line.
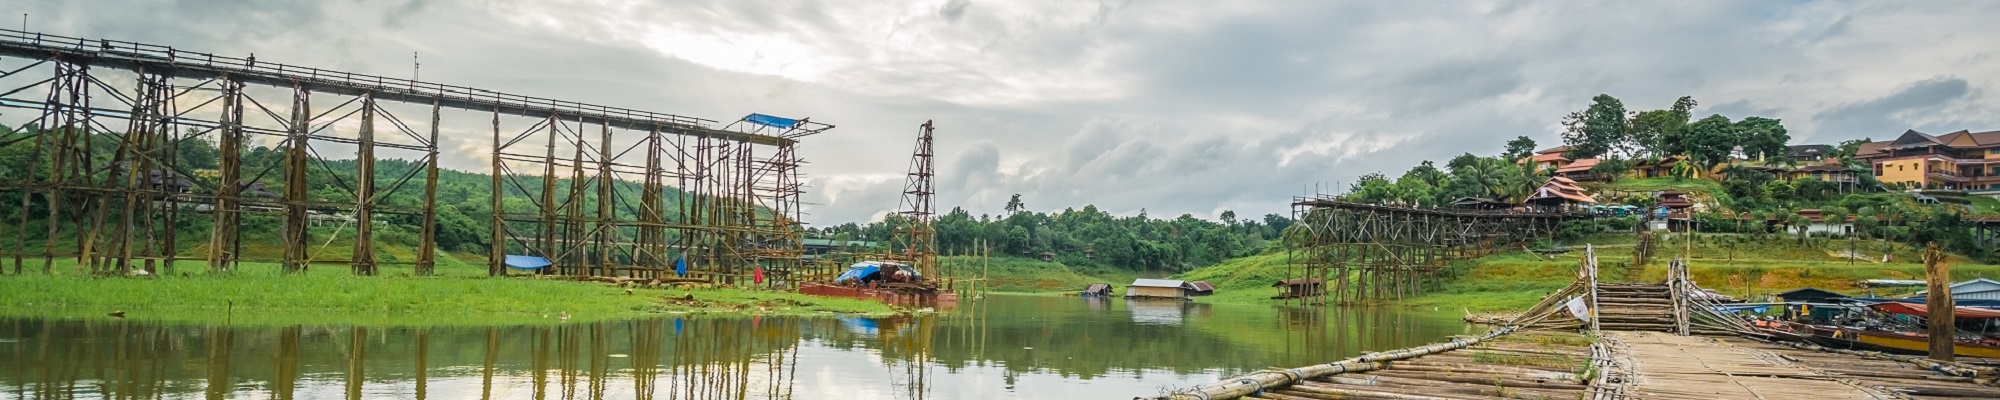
1665	366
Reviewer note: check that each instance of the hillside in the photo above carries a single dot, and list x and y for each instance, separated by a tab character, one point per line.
1027	275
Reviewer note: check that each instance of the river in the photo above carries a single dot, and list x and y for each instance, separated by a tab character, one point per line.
1000	347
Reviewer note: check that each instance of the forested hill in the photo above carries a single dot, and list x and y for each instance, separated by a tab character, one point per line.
464	203
1088	236
464	199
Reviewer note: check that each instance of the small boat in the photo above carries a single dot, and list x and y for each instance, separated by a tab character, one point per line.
888	282
1893	341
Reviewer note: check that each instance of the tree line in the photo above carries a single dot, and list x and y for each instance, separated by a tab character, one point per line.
1083	236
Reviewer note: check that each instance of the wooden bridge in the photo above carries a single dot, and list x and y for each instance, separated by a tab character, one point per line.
585	186
1372	252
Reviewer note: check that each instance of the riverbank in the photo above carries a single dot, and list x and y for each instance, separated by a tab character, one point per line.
259	293
1740	266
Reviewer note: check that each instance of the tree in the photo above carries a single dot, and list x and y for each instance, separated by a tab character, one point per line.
1596	130
1520	147
1763	138
1014	204
1656	133
1708	142
1847	149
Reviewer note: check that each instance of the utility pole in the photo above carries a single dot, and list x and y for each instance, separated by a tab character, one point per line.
416	67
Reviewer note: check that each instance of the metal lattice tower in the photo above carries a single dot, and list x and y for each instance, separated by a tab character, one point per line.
918	210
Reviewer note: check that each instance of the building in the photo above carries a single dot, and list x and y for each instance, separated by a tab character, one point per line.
1546	158
1559	194
1299	287
1810	295
1481	205
1958	161
1579	171
1819	224
1200	288
1976	289
1663	167
1849	180
1808	153
1157	288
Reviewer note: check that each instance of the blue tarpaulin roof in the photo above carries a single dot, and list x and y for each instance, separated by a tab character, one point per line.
770	121
863	269
526	262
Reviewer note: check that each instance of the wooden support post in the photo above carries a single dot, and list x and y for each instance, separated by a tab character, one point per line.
427	239
295	235
1942	321
227	215
363	260
607	230
549	204
496	243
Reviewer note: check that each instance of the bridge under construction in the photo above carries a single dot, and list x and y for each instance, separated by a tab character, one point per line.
1347	252
595	190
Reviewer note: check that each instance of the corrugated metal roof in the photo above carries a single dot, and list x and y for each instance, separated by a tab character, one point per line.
1202	286
1143	282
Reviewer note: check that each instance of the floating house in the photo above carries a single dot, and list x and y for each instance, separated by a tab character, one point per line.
1157	288
1097	289
1299	287
1200	288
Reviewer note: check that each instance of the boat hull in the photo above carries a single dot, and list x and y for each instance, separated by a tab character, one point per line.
1893	342
902	297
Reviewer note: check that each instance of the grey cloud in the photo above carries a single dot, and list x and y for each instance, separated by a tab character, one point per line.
1174	107
1882	115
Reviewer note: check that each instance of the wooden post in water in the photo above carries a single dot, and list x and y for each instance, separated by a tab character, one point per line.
1942	324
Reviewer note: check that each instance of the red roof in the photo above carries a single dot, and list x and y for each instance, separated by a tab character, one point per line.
1547	158
1579	165
1553	150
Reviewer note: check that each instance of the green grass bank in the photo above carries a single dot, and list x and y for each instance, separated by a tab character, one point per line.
460	295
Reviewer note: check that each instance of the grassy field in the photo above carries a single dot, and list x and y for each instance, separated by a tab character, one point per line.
260	293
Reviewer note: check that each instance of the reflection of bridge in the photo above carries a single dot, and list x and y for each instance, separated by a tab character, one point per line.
583	185
1376	252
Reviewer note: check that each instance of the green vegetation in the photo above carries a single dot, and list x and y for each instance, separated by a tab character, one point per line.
259	293
1084	237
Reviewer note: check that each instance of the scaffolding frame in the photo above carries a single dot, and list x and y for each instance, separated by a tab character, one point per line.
736	208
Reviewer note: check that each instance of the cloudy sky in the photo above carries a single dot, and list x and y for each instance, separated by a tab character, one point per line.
1169	106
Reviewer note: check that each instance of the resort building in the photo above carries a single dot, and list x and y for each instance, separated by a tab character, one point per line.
1958	161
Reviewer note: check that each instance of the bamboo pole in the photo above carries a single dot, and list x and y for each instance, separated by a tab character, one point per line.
1257	382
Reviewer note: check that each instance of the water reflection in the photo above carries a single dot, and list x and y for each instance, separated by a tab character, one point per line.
1001	347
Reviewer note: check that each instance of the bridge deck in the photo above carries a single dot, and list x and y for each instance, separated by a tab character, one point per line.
1665	366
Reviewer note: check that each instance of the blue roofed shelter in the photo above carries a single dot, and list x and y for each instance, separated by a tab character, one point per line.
526	262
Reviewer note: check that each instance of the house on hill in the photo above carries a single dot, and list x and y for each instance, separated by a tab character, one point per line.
1663	167
1959	160
1558	194
1808	153
1546	158
1579	171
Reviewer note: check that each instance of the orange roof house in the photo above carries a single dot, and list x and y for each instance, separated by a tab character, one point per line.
1558	194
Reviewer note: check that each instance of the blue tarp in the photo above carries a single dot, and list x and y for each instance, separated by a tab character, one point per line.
861	325
856	272
526	262
681	267
770	121
862	270
1753	309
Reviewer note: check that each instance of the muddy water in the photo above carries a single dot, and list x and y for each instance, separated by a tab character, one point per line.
999	347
